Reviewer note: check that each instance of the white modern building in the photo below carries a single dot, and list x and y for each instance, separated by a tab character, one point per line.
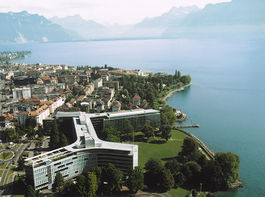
19	93
85	153
98	83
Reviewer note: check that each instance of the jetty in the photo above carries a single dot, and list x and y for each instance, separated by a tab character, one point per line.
187	126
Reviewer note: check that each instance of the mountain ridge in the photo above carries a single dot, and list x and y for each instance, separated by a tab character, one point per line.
23	27
238	18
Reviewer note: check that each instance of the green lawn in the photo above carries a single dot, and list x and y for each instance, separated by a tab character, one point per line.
3	166
6	155
160	151
179	192
10	171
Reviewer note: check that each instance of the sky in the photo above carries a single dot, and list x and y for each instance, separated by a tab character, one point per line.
103	11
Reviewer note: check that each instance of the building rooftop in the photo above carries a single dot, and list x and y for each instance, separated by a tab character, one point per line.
86	136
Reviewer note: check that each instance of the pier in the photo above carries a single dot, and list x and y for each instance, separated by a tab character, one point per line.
187	126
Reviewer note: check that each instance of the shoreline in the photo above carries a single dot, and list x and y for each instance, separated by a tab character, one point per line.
171	92
205	148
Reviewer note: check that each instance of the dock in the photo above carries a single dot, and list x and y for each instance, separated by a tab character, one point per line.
187	126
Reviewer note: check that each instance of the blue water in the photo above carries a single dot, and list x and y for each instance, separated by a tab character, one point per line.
226	98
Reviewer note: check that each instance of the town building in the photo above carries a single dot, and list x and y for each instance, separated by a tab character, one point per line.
136	100
98	83
21	93
116	106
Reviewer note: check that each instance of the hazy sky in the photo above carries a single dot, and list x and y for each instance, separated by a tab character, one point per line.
102	11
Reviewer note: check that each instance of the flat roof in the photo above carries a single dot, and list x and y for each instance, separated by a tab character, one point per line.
85	132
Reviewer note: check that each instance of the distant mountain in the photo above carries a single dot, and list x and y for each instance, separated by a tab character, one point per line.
155	26
86	29
23	27
240	18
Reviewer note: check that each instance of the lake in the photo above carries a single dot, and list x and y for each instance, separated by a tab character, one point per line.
226	98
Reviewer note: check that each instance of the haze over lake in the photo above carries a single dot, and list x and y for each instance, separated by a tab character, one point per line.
226	98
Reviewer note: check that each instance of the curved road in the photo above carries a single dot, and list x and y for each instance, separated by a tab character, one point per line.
4	189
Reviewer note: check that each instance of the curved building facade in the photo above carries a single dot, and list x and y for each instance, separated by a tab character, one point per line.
85	153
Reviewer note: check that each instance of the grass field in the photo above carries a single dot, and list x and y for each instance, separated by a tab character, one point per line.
10	171
3	166
160	151
6	155
179	192
169	149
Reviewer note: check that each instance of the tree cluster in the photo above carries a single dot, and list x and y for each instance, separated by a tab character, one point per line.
57	138
149	88
13	135
99	181
191	168
157	177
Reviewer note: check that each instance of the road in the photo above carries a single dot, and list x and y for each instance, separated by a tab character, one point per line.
5	190
2	183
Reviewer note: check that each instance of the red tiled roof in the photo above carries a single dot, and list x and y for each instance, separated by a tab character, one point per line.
136	96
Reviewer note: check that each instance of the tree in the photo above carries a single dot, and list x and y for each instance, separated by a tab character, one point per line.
190	151
167	115
152	175
58	183
186	79
127	127
136	179
167	180
81	188
191	171
69	189
20	163
111	134
157	176
63	140
229	164
174	166
179	179
9	135
213	177
30	123
30	192
165	131
177	74
92	184
55	136
113	177
98	172
148	130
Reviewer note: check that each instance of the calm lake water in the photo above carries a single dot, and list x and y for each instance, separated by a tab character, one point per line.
226	98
